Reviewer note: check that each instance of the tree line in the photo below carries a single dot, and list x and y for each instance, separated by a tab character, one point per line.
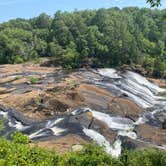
97	38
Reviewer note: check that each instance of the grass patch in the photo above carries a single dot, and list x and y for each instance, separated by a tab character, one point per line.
18	77
2	126
33	80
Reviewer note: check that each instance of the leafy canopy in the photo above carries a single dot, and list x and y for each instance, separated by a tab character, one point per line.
154	2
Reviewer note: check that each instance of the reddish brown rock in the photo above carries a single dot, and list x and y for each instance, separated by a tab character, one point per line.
152	134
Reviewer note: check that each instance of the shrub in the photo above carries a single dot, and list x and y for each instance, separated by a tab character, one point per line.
2	126
18	153
33	80
20	138
18	59
91	155
146	157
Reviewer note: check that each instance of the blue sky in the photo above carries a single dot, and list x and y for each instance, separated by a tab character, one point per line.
10	9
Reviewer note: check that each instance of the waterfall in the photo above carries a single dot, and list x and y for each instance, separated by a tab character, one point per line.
127	84
114	150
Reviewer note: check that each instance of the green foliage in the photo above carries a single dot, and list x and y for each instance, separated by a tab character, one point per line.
20	138
33	80
159	68
18	59
91	155
2	124
71	57
147	157
154	2
33	55
96	38
16	152
19	152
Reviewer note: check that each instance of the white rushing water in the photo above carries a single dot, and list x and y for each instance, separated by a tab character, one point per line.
124	127
50	125
4	114
13	123
129	134
136	87
111	73
115	123
141	120
143	81
114	150
120	88
38	133
80	111
122	84
56	130
17	125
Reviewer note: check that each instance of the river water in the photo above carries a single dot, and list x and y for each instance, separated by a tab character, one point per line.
122	84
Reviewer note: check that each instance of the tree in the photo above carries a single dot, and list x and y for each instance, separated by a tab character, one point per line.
154	2
98	38
42	21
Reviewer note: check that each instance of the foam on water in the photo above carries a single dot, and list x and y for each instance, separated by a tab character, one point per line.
115	123
4	114
13	123
141	95
36	134
80	111
129	134
138	100
50	125
141	120
108	72
143	81
149	116
57	131
120	88
17	125
133	85
124	127
97	137
114	150
139	91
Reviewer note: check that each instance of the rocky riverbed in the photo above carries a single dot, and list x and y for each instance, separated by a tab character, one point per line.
63	110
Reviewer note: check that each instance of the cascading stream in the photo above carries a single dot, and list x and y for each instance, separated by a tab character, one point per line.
136	88
122	84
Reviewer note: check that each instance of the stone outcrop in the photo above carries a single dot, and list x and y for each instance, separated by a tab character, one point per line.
58	93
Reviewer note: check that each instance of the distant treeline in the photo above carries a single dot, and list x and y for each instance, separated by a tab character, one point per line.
97	38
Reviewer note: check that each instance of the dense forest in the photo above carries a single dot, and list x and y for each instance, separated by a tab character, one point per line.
19	152
97	38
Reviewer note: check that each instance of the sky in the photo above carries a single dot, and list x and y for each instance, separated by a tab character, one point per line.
11	9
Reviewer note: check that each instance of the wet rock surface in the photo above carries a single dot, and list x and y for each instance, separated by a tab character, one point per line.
61	110
152	134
